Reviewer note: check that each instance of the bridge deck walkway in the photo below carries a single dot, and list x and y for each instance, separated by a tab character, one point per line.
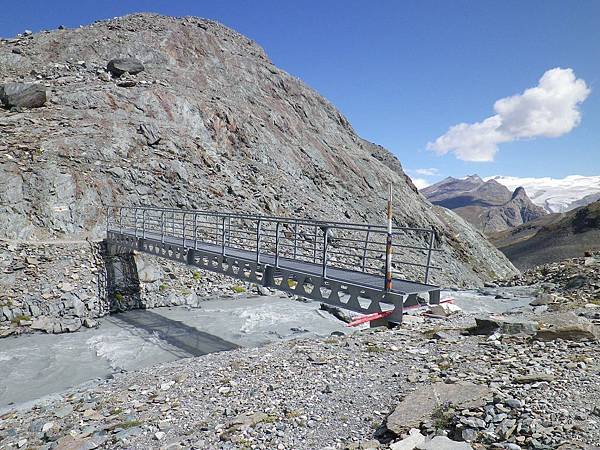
356	278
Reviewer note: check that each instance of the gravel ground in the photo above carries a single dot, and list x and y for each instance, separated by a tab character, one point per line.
332	393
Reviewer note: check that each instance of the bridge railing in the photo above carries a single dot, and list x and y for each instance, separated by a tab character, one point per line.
349	246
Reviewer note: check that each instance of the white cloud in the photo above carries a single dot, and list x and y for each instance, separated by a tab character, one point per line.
427	172
548	110
420	183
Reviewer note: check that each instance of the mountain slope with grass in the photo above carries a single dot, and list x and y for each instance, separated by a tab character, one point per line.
552	238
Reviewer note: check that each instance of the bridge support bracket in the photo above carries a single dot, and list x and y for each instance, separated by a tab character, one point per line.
267	278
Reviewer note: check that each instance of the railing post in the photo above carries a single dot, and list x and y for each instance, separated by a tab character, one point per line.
223	238
258	241
162	227
431	241
183	231
295	238
364	259
121	220
325	248
229	229
216	230
277	244
135	222
195	231
143	223
315	247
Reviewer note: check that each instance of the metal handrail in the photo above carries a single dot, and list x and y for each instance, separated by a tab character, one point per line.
290	220
351	246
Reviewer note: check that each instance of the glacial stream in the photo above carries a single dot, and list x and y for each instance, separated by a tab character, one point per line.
38	365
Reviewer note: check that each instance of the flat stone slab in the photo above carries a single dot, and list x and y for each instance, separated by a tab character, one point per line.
505	325
567	326
443	443
419	405
533	378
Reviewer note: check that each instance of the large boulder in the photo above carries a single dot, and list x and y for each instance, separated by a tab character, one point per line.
445	309
147	271
567	326
504	325
413	439
119	66
418	406
22	95
46	324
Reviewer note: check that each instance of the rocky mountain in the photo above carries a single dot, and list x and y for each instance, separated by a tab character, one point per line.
488	205
552	238
206	122
556	194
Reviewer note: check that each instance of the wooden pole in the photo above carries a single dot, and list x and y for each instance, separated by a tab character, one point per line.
388	246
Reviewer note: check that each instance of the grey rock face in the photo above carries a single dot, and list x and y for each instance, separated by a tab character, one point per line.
236	133
120	66
23	95
150	132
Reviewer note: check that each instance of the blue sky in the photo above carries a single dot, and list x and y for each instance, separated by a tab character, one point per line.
403	72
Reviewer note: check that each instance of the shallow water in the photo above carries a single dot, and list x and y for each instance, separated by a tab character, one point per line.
37	365
485	302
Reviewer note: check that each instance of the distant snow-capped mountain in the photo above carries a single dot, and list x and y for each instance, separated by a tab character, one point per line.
488	205
556	195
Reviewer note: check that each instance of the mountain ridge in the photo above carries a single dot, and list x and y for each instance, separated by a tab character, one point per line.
488	205
552	238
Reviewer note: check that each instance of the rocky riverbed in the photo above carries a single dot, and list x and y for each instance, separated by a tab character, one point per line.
526	379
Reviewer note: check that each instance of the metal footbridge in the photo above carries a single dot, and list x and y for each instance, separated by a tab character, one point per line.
360	267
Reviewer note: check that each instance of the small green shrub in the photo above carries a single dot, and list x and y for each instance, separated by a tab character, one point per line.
238	289
197	275
20	317
442	416
129	424
372	348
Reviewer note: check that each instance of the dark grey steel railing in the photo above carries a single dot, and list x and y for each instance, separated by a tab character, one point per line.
349	246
